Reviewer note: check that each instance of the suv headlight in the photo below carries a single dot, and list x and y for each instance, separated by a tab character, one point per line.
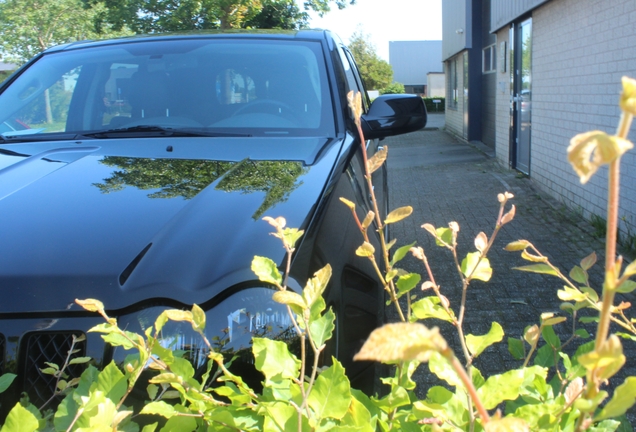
230	325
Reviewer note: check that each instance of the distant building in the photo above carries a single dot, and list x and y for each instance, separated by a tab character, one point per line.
435	84
413	61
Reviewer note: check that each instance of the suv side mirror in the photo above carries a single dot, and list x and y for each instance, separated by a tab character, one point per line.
394	114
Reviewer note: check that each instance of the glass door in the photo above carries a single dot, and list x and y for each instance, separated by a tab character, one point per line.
522	95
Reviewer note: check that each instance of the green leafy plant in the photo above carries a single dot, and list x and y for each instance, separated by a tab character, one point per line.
555	389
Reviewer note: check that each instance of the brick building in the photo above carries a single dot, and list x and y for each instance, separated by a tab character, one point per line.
525	76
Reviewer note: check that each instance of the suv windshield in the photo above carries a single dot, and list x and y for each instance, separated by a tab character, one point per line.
233	86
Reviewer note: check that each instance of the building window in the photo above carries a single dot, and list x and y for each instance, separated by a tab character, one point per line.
452	92
489	59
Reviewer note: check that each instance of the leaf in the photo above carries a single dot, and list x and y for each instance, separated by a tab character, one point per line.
368	219
198	318
366	250
358	417
518	245
289	298
443	236
571	294
507	424
348	203
79	360
443	370
538	268
398	214
579	275
317	285
6	380
159	408
278	417
593	295
400	253
475	267
150	428
180	424
390	275
531	334
508	217
623	398
152	391
117	339
477	344
499	388
290	236
20	419
91	305
407	282
331	394
401	341
266	270
274	360
545	356
481	241
430	307
551	337
605	361
582	333
377	160
588	261
630	270
552	320
322	328
112	382
516	348
531	257
626	287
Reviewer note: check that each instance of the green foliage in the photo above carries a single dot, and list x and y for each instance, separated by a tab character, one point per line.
432	107
186	15
393	88
376	73
30	26
279	14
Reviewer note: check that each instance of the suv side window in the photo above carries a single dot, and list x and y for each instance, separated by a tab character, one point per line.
350	73
359	81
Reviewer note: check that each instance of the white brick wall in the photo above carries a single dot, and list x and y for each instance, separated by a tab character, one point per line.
581	49
454	117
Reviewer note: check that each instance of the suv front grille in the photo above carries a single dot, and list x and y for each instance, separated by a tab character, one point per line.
39	347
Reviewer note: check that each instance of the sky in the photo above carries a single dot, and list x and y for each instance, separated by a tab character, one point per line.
384	21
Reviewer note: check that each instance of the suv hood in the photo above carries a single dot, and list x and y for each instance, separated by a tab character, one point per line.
130	220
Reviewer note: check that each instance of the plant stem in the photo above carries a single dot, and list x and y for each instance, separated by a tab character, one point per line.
470	388
613	193
378	220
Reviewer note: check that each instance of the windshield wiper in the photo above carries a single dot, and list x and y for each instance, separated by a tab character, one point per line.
157	131
7	138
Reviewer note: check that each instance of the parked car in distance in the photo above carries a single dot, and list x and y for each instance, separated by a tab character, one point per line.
153	162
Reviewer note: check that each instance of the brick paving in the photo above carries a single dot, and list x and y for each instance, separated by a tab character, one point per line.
445	180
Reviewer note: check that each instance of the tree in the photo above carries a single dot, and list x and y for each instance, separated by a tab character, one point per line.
153	16
376	73
279	14
30	26
394	88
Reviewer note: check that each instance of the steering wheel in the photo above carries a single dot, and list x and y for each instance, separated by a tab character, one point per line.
268	106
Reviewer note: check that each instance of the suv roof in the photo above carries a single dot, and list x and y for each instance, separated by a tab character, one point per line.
307	34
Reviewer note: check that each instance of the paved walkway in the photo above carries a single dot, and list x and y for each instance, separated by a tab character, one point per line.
444	180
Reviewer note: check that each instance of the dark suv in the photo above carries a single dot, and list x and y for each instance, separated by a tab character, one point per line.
142	172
